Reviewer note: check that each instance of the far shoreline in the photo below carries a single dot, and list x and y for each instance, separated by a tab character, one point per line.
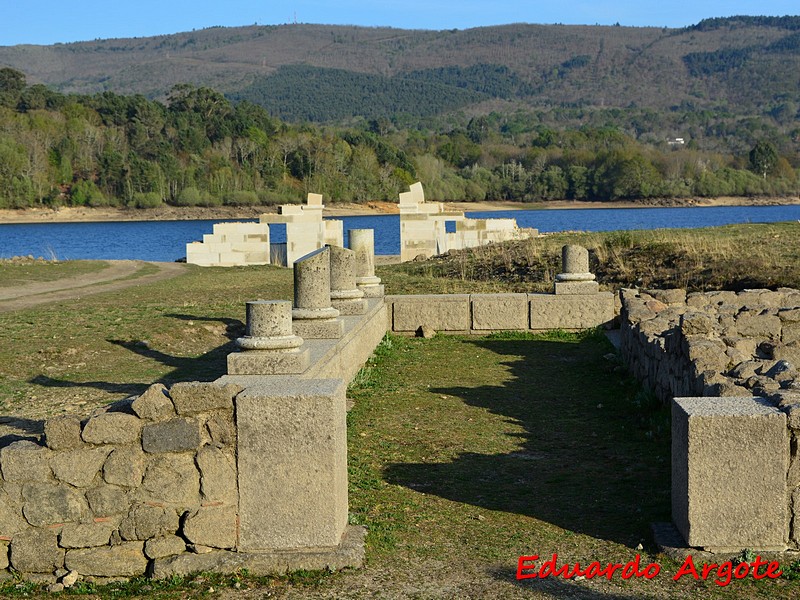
224	213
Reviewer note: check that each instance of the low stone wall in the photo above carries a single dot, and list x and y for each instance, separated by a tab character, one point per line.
728	363
484	313
713	343
128	487
249	471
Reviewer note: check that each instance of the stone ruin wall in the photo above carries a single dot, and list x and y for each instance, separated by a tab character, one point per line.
721	344
137	484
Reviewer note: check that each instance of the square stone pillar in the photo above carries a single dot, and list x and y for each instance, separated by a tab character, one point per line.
292	460
729	466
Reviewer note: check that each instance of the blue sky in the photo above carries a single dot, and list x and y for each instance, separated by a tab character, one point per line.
50	21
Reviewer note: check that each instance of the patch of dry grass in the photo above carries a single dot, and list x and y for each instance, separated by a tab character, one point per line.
732	257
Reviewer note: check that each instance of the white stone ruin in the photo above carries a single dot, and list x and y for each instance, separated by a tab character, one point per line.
423	229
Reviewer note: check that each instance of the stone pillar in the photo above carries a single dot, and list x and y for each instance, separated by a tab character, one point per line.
575	277
362	242
269	347
730	457
292	459
345	296
313	317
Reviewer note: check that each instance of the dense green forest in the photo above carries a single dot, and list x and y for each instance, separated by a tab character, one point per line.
200	148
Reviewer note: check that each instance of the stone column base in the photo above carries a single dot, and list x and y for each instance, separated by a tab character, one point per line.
577	287
349	553
372	291
264	362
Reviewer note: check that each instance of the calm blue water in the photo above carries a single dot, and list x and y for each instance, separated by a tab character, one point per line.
166	240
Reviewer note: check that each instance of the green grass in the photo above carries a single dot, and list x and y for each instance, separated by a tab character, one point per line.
14	273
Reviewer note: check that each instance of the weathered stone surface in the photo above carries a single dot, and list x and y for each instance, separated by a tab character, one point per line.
362	242
36	551
351	307
318	329
79	467
349	553
172	479
745	438
796	515
196	397
145	521
790	332
425	332
570	312
3	555
107	500
154	404
671	296
112	428
124	560
450	312
755	323
745	345
709	352
255	362
164	546
730	389
63	433
217	476
789	315
793	415
312	282
697	323
574	264
125	467
760	298
220	429
300	425
788	352
175	435
50	503
213	526
25	461
70	579
499	311
11	519
576	287
85	535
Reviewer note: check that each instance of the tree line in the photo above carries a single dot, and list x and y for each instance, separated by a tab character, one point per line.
200	148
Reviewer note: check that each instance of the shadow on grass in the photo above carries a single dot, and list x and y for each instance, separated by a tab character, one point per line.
208	367
582	463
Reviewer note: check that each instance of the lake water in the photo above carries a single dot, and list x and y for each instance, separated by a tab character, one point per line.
166	241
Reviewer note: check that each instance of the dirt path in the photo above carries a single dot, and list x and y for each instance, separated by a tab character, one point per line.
119	275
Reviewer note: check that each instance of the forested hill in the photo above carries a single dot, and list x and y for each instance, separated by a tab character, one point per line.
329	73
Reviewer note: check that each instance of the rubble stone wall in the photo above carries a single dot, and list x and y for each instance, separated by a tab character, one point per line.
722	344
140	481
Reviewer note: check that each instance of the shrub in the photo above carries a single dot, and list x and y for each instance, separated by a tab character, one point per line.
189	196
146	200
241	198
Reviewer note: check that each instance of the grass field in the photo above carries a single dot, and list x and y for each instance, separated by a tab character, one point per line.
464	452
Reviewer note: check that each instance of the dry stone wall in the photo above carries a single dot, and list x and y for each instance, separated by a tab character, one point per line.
714	343
724	345
108	497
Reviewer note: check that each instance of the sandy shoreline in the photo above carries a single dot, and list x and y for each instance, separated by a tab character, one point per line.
175	213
